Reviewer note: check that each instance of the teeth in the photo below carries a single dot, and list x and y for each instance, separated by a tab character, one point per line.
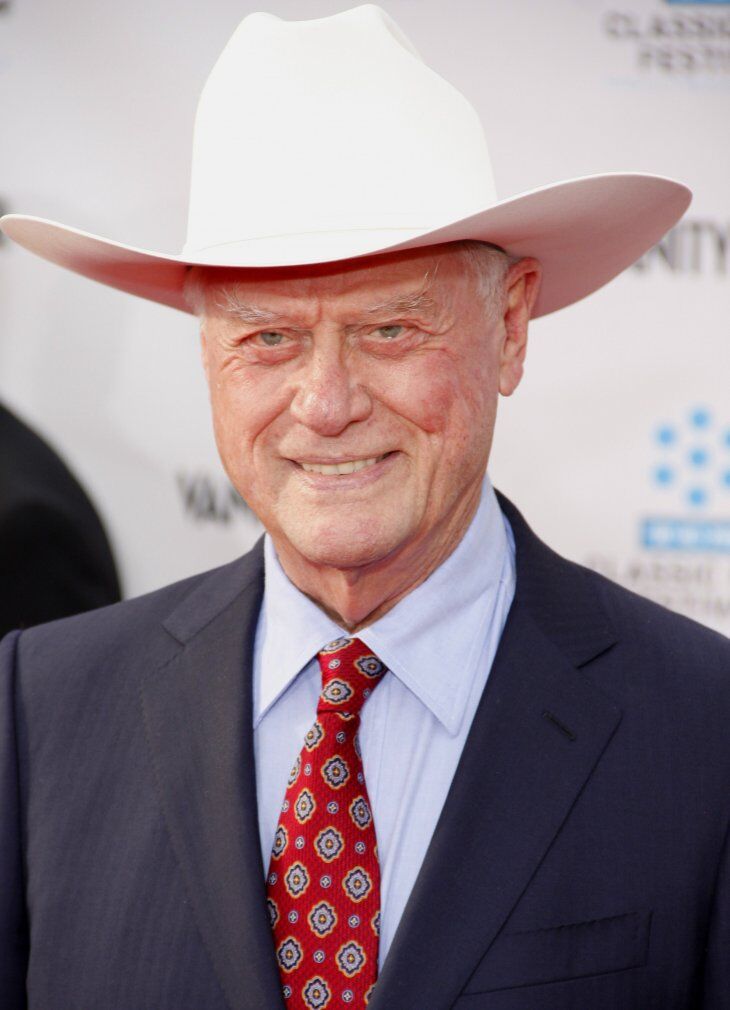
340	468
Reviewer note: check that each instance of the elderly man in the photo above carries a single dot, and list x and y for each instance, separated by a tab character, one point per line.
401	754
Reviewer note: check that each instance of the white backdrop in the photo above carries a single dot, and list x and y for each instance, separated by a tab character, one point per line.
617	445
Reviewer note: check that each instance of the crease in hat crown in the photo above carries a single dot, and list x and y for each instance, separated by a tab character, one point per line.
329	125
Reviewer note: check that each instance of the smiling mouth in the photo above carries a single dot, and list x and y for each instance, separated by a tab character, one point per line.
345	467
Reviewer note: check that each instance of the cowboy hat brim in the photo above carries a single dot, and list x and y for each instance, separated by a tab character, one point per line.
584	232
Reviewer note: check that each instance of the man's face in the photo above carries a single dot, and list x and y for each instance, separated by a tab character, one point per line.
354	407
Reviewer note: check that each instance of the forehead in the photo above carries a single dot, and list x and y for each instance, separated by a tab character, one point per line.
435	273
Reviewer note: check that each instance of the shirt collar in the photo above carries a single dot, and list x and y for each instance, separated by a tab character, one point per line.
440	626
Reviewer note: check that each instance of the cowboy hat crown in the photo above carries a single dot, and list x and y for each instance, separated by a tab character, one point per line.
331	133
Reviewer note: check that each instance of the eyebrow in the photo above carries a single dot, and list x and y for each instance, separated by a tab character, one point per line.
417	302
229	302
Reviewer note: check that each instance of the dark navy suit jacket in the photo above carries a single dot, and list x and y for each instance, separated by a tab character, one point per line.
581	860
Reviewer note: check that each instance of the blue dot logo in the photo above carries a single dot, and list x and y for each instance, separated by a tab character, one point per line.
700	417
697	496
666	435
698	457
663	475
689	464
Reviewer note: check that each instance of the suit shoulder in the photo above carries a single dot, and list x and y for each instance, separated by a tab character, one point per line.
656	625
638	645
574	601
135	630
576	604
663	661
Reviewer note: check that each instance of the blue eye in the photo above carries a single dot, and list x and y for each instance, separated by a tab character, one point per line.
390	332
272	338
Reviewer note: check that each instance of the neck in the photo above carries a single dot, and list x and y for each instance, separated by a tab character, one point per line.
356	597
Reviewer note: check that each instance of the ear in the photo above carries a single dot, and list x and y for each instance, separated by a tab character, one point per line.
521	286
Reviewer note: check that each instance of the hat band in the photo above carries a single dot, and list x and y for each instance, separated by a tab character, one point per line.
417	229
302	246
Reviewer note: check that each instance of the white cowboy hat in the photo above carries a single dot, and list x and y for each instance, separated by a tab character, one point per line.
324	140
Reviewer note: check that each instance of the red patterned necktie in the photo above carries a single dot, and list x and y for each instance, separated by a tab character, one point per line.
324	881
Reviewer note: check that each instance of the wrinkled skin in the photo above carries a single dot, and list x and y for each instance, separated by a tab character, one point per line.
328	369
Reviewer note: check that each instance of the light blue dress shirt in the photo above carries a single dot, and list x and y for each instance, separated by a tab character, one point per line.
438	644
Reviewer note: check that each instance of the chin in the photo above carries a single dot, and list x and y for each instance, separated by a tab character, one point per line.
344	545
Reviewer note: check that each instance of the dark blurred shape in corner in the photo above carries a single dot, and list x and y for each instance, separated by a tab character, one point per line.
55	558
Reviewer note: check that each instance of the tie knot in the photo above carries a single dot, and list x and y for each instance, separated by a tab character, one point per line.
350	674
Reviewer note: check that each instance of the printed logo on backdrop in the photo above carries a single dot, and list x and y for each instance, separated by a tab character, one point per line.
682	556
691	472
674	42
695	246
210	498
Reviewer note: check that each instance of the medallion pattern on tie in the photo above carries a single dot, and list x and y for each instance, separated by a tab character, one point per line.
323	887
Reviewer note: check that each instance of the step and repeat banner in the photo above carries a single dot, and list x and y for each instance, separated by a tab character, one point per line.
617	445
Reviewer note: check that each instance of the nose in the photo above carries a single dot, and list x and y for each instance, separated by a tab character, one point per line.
328	395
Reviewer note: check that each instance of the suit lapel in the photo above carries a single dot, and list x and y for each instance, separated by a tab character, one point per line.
198	717
538	733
